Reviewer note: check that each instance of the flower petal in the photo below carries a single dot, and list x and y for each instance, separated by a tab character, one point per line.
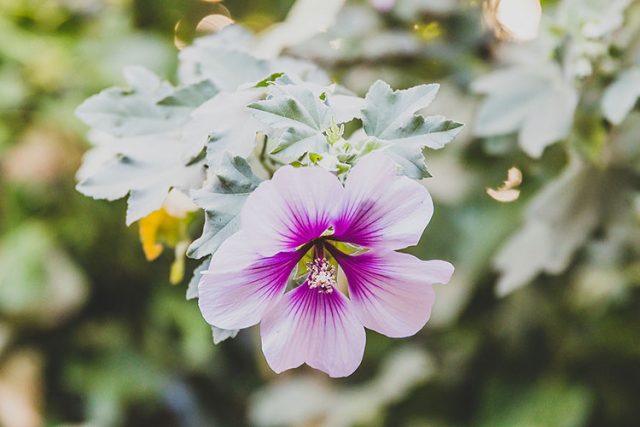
319	329
241	284
296	206
382	209
391	292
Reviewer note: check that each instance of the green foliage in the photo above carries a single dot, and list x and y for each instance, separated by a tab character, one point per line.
50	284
549	403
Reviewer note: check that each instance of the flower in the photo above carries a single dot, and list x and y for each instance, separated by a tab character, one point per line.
307	212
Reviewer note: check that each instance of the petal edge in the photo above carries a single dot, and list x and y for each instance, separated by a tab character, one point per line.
391	292
381	209
241	285
315	328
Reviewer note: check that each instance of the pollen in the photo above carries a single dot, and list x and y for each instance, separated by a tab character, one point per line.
322	275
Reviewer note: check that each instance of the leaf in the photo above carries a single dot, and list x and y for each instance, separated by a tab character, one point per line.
148	107
148	230
192	286
231	59
227	69
220	335
125	113
146	176
190	96
269	80
391	118
345	107
144	81
304	71
536	102
387	110
300	114
550	122
511	95
207	58
224	124
621	96
305	19
410	161
136	133
558	222
222	199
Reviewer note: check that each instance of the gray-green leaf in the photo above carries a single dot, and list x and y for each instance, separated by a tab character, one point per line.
146	175
301	116
228	69
386	110
222	198
192	286
220	335
391	118
536	102
149	106
223	124
621	95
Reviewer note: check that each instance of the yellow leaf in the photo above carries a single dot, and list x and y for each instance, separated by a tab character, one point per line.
148	230
168	226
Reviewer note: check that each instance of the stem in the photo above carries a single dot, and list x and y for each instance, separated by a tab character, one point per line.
262	158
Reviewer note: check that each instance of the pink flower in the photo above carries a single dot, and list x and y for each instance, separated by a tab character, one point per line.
305	210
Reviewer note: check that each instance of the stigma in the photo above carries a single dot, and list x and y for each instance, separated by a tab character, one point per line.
322	275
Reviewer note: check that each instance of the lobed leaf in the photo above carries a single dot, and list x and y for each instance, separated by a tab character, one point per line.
223	124
147	179
536	102
391	118
222	199
300	114
148	107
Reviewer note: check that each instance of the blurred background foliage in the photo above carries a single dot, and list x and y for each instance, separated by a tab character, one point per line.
93	334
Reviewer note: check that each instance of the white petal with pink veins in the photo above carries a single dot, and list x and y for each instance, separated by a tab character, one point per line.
241	284
391	292
382	209
296	206
316	328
